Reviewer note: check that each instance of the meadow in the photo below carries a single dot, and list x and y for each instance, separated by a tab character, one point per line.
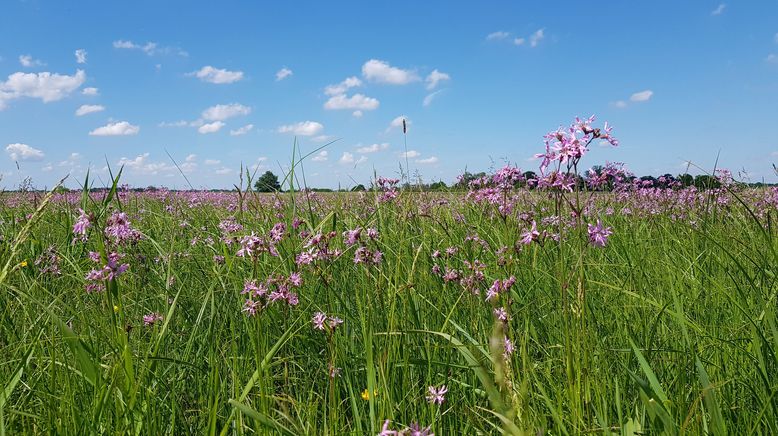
516	306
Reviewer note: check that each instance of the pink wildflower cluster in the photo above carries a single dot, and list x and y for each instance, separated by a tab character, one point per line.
500	287
317	248
119	229
152	318
323	322
112	269
412	430
82	225
48	262
274	289
388	187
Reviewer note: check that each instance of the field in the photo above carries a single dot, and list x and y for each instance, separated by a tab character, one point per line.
507	308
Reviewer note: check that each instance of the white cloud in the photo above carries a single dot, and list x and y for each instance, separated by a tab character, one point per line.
342	87
497	36
356	101
772	58
150	48
141	165
429	160
621	104
348	159
88	109
217	75
242	131
410	154
379	71
48	167
322	138
191	158
642	96
222	171
71	161
519	41
719	9
46	86
211	127
28	62
221	112
212	162
373	148
434	78
283	73
321	156
536	37
428	99
90	91
120	128
80	56
357	114
24	152
303	128
398	123
180	123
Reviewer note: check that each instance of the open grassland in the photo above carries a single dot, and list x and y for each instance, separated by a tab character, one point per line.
298	313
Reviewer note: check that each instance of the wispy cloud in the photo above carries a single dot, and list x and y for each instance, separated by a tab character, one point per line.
218	76
283	73
719	9
303	128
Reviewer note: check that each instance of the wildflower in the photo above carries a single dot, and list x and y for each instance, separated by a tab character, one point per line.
23	264
531	234
81	226
351	237
501	314
119	229
417	430
277	232
436	395
334	371
598	234
251	307
385	431
151	319
507	347
366	394
318	320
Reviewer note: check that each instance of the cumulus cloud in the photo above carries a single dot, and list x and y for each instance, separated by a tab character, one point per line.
321	156
24	152
242	131
429	97
90	91
719	9
348	159
222	171
149	48
397	123
218	76
497	36
621	104
221	112
283	73
410	154
536	37
119	128
434	78
380	71
303	128
46	86
141	165
211	127
27	61
357	114
212	162
373	148
428	161
356	101
80	56
89	109
342	87
641	96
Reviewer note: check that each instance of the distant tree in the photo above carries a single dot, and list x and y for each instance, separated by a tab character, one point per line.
686	180
704	181
268	182
358	188
438	186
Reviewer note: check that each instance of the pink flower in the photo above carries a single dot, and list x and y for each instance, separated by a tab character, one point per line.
151	319
598	234
436	395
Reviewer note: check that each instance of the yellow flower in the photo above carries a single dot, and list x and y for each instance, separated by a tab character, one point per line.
366	394
23	264
116	309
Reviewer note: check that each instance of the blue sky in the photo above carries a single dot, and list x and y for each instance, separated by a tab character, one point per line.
217	84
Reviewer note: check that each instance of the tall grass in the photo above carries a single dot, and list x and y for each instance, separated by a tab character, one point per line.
668	329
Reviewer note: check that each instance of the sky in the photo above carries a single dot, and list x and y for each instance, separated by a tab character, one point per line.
184	93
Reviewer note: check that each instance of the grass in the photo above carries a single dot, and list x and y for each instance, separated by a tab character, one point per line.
668	329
